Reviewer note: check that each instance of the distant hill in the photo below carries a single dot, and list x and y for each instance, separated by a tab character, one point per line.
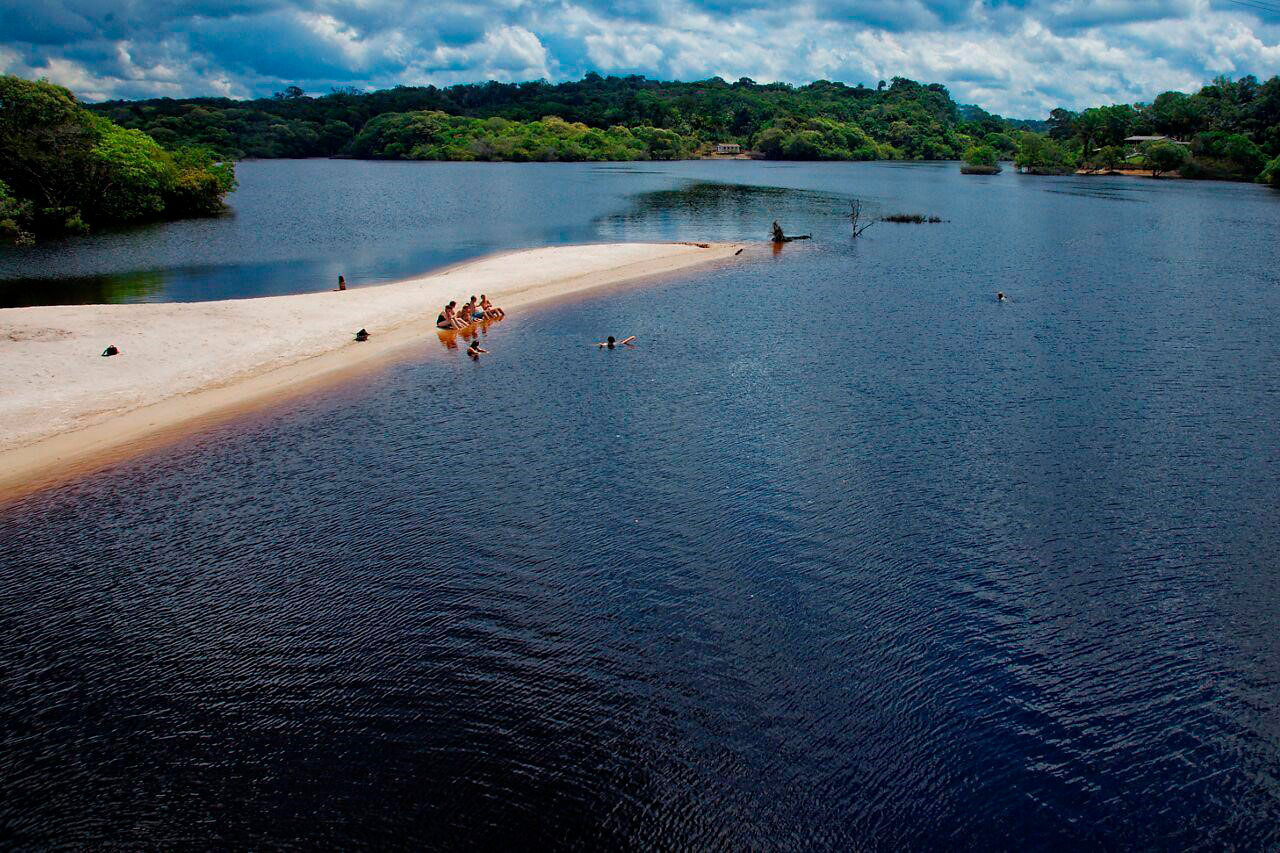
973	113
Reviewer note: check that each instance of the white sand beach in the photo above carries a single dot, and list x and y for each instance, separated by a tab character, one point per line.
65	409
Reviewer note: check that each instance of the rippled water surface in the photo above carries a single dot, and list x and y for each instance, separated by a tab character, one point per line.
844	555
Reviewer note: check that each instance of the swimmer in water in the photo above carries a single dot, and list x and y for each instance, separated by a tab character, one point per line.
611	343
475	349
1000	296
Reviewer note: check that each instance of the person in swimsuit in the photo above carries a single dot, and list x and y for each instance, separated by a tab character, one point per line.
611	343
475	349
342	283
472	309
463	313
448	319
491	311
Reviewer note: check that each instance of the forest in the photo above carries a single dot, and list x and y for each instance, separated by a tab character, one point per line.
1229	130
596	118
66	170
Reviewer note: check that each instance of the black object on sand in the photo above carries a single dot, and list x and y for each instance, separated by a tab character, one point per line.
739	252
111	350
362	336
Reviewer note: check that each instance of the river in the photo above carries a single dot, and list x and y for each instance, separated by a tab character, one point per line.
845	554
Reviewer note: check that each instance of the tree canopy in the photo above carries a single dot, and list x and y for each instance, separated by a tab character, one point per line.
64	169
1231	128
600	118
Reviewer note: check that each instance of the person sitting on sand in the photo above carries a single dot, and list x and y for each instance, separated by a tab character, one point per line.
493	312
472	309
448	318
475	349
611	343
462	313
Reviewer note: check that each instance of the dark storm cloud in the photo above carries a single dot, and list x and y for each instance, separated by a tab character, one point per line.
1014	56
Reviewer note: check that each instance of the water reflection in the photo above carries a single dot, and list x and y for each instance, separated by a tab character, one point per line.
449	337
719	211
140	286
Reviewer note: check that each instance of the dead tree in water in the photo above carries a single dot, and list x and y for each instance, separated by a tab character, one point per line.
855	217
779	237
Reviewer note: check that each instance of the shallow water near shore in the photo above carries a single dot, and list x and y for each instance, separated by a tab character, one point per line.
844	554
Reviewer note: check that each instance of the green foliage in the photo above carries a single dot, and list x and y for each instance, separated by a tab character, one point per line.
980	155
200	181
434	135
1234	127
820	139
1001	143
1271	174
15	217
820	121
1042	155
1230	156
1107	158
66	169
1162	157
130	173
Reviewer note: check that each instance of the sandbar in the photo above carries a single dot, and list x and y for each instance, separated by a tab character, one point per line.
65	410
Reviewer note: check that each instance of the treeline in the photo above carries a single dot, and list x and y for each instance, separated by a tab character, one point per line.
1231	130
65	170
435	135
623	118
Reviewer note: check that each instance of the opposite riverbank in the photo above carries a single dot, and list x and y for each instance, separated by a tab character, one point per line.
65	410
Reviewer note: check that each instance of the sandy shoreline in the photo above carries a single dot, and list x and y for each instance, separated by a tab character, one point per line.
65	410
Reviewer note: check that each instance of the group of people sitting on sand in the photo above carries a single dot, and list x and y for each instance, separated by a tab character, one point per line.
471	312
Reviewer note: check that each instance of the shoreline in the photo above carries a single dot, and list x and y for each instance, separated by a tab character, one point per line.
65	411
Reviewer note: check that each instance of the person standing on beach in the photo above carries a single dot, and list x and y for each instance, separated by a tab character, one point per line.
342	283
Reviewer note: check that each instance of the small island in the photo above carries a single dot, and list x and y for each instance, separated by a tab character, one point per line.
980	160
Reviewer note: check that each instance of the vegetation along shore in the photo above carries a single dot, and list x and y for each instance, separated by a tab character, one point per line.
67	167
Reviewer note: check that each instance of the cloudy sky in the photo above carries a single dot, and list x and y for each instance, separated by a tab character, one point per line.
1019	58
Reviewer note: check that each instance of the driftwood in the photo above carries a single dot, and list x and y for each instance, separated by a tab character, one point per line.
779	237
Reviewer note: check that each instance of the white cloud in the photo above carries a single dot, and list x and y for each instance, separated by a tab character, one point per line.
1016	61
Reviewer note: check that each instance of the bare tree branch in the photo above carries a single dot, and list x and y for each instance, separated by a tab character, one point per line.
855	217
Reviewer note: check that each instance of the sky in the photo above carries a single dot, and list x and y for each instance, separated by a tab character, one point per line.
1018	58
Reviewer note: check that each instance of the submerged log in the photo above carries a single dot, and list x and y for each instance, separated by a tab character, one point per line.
779	237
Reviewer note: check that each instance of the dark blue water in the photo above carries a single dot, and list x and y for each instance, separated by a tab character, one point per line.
844	555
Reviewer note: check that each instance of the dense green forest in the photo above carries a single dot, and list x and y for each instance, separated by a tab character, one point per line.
596	118
64	169
1231	129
